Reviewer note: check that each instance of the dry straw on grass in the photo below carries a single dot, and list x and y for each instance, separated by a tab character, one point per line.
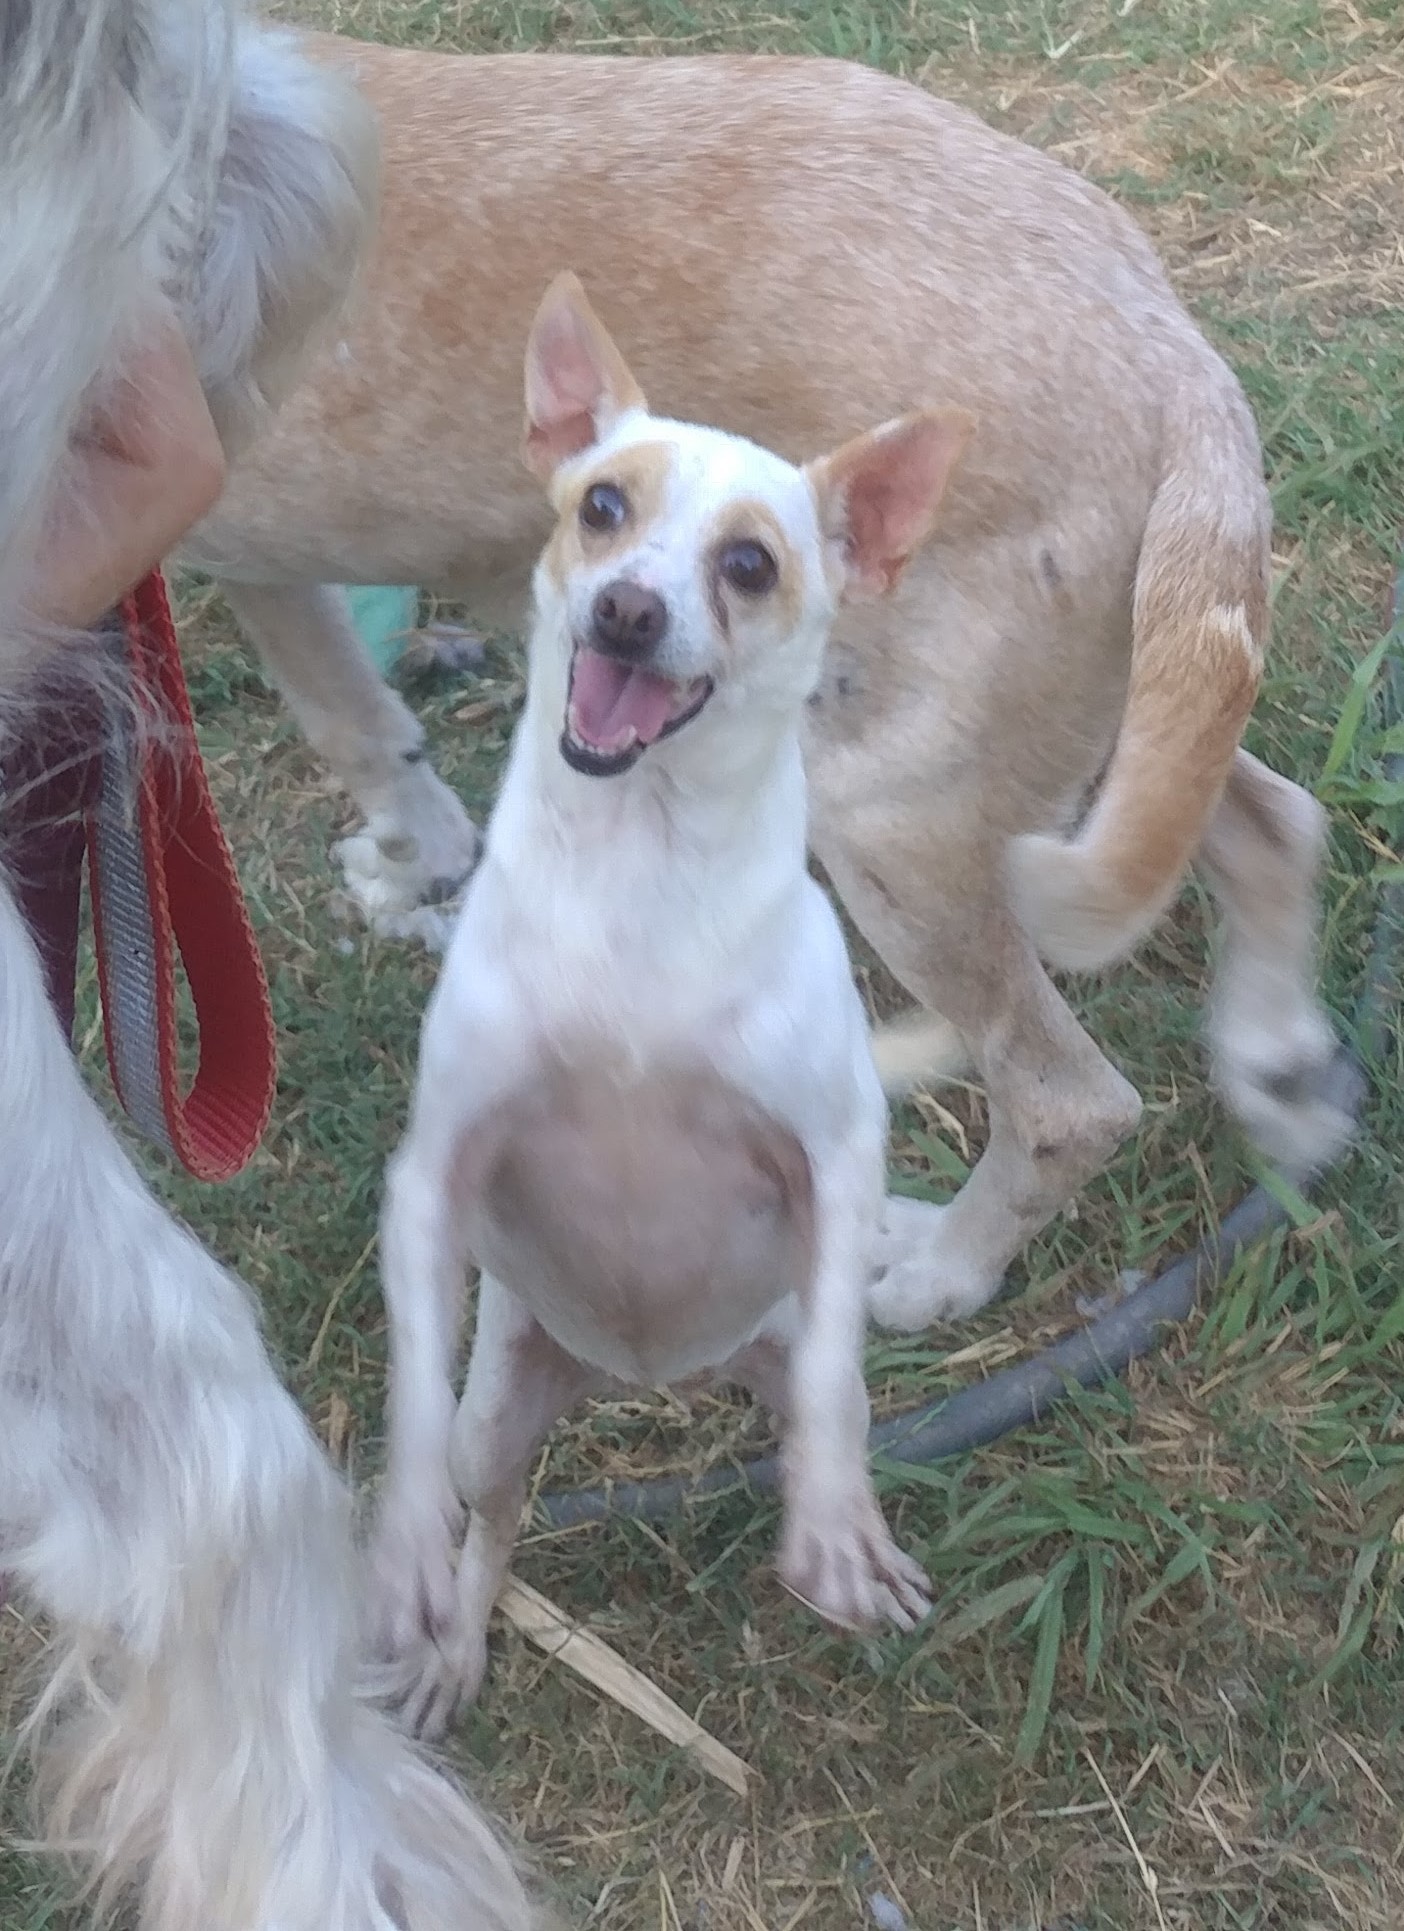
543	1624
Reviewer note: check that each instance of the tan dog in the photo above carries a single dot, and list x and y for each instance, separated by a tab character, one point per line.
1015	757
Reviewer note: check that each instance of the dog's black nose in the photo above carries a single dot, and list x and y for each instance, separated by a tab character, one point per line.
628	621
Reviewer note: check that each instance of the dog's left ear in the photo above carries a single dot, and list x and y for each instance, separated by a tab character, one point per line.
577	382
878	495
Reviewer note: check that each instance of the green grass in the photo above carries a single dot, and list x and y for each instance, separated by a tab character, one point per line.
1165	1683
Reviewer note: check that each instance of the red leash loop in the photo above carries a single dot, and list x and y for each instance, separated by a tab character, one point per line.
162	881
135	797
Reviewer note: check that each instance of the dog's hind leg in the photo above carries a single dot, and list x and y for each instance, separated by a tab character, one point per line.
1275	1056
418	844
1058	1108
431	1625
763	1366
163	1502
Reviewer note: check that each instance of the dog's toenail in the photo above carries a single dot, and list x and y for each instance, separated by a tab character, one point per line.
1296	1085
1336	1082
1289	1088
398	848
440	890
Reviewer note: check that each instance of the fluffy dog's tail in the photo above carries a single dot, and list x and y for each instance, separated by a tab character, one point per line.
1200	618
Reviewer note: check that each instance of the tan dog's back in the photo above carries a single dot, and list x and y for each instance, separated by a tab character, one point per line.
727	205
790	249
792	246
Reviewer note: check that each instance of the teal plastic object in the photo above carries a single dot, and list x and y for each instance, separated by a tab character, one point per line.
384	616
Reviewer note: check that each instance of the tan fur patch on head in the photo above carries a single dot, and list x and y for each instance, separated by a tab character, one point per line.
640	473
748	520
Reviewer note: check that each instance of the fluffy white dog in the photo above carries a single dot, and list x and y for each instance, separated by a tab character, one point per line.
161	1499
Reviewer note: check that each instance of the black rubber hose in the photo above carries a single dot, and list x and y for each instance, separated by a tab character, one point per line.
1107	1345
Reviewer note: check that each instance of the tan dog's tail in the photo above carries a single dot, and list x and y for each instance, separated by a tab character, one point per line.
1200	618
915	1049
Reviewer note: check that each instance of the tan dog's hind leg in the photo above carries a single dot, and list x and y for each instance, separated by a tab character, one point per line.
1058	1108
419	844
1273	1049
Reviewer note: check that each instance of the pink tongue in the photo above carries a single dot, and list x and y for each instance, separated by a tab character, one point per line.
609	703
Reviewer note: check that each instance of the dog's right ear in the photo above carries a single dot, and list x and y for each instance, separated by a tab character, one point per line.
577	383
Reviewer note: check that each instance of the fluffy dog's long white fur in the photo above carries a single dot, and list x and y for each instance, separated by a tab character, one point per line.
202	1743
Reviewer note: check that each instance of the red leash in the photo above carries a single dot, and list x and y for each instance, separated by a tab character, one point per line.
162	882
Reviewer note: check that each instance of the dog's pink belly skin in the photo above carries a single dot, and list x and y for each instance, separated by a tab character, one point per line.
650	1227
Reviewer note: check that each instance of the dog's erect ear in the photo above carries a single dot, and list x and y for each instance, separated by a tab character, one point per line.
878	495
577	382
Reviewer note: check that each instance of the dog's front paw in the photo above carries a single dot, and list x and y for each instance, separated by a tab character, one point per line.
427	1683
919	1274
428	1628
840	1560
412	1591
406	870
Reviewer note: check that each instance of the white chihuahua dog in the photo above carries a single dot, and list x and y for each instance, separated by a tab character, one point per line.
647	1105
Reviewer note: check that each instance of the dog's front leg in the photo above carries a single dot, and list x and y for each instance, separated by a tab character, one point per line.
418	845
836	1552
424	1261
472	1028
519	1383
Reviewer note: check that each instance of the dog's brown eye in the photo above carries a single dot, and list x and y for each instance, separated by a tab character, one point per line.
603	507
749	567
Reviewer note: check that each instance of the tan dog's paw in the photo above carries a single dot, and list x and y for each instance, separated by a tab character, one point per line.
405	872
919	1276
1297	1092
842	1563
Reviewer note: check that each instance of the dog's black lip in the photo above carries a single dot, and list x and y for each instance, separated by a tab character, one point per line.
596	764
613	764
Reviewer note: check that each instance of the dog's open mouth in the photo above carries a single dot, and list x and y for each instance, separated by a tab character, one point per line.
614	712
